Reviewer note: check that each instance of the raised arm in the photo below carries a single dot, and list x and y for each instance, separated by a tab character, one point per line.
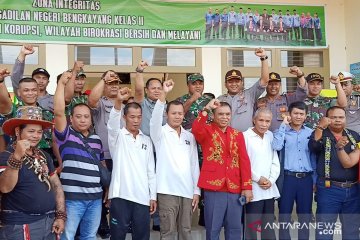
341	100
9	178
5	101
139	82
199	125
19	66
70	86
296	71
261	53
279	135
157	114
347	160
59	102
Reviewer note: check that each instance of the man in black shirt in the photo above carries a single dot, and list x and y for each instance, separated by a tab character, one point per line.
337	187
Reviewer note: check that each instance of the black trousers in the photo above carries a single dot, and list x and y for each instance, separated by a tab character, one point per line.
122	212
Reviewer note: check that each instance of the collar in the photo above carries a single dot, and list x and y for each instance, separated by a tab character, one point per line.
288	127
170	129
126	132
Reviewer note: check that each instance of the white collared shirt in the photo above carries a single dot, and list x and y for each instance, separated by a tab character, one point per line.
264	162
177	165
133	176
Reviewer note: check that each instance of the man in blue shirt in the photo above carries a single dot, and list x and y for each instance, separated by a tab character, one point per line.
296	25
288	23
240	21
275	17
224	20
317	27
208	23
216	24
297	169
232	22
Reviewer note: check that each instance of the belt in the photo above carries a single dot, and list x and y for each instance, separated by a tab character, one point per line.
298	174
347	184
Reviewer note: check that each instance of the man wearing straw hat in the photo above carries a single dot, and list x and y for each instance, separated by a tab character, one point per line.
33	203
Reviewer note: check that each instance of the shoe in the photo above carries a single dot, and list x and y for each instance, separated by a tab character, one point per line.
104	233
156	228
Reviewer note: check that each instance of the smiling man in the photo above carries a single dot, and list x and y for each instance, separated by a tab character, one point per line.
242	100
177	169
225	174
278	103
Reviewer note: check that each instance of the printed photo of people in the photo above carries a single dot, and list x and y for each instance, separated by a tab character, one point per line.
269	25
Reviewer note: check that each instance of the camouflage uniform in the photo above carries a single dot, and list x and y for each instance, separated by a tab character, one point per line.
317	107
46	141
194	109
83	98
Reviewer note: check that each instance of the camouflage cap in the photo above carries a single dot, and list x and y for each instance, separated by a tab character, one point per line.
195	77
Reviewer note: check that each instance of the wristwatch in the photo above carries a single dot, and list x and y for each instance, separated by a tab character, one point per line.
264	58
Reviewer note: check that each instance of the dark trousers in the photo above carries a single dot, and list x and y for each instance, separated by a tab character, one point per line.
337	201
310	33
40	229
297	33
304	34
241	31
231	30
122	212
216	30
223	209
208	30
318	34
259	213
224	27
300	191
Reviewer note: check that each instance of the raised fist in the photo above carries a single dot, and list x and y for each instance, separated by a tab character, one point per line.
294	70
260	52
168	85
27	49
214	103
334	79
124	94
21	147
4	73
324	122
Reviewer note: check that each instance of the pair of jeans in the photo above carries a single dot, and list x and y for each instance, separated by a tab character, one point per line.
336	201
87	214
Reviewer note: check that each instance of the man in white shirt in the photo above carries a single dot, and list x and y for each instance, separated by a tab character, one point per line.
177	168
133	181
265	169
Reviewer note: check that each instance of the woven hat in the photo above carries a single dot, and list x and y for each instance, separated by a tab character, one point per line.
25	115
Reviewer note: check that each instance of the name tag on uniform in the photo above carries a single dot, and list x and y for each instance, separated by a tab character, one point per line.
187	142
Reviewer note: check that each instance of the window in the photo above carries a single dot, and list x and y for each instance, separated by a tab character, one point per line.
104	55
289	84
244	58
302	59
171	57
8	54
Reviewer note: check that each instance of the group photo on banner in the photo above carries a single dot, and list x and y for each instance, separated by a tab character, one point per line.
160	22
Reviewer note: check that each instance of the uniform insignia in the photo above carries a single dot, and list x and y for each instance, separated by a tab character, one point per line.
273	76
233	73
341	76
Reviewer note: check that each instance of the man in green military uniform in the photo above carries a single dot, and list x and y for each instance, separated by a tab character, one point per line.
353	101
194	101
317	104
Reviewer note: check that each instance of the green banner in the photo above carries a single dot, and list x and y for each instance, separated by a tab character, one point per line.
148	22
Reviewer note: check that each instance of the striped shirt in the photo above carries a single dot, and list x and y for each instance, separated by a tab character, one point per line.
80	175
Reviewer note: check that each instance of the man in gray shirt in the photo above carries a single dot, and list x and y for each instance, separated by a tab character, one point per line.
242	101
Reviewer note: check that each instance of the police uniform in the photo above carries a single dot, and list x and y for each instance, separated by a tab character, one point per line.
353	107
279	106
242	104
